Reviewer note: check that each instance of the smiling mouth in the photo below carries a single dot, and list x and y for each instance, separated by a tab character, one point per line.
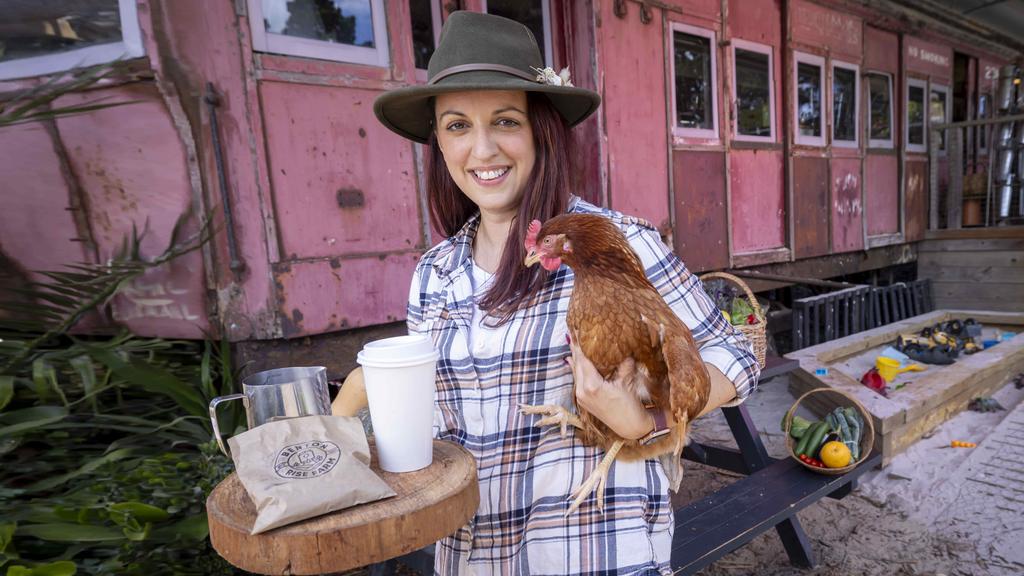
489	175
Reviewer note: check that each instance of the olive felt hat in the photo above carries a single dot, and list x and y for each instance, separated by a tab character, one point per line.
481	52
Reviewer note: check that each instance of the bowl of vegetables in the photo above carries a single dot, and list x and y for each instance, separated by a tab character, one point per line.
834	444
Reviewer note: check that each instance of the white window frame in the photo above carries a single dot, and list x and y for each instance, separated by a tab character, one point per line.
706	133
946	112
436	25
983	142
824	107
888	143
923	85
855	143
263	41
547	47
130	46
738	44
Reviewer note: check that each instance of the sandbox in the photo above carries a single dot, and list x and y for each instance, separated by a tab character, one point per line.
925	399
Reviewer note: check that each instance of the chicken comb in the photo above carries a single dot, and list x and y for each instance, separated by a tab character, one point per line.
531	234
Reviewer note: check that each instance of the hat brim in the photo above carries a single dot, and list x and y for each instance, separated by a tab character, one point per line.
408	113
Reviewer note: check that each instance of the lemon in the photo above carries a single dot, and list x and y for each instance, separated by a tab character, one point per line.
728	318
835	454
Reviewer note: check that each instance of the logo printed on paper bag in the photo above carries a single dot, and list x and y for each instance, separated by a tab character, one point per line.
306	460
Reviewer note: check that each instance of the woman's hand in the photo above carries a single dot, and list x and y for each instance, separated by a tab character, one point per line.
609	400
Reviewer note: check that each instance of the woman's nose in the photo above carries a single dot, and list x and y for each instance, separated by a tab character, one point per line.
484	145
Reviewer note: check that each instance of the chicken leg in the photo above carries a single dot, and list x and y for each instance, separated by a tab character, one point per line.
553	414
598	478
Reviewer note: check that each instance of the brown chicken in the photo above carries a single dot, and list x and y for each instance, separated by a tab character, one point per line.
624	327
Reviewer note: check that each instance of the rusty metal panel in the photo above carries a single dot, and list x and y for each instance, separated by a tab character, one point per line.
636	128
817	26
758	200
343	184
847	209
810	206
701	221
36	227
916	173
881	50
882	194
131	166
928	58
337	294
757	21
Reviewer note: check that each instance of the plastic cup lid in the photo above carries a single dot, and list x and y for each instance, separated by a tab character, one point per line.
400	350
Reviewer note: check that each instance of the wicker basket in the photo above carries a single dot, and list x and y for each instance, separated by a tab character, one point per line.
754	332
867	439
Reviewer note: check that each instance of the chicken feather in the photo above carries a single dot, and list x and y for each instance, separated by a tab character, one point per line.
627	330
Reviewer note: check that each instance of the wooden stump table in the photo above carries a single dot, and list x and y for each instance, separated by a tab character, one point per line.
430	504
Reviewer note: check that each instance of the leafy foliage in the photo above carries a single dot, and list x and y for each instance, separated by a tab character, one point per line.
105	450
37	102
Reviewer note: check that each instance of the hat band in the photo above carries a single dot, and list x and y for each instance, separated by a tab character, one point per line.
480	67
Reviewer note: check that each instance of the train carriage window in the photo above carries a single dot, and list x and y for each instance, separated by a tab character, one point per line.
938	110
754	94
916	136
880	110
984	111
845	87
341	30
694	86
534	14
39	38
425	18
810	82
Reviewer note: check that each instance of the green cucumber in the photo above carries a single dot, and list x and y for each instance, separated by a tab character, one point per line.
813	430
816	435
856	430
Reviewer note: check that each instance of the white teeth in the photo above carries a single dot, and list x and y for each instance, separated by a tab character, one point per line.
490	174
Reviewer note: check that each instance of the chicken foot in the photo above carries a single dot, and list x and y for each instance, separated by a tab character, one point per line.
553	414
598	478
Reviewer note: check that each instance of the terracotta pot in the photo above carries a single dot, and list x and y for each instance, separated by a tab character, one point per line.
972	212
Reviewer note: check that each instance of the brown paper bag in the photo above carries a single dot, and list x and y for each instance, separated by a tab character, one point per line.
299	468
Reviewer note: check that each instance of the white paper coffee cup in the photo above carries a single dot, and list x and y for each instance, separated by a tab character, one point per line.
399	374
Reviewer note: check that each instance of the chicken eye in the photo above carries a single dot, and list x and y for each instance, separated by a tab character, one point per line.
547	241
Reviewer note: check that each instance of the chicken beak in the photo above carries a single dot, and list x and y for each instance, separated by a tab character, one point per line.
532	257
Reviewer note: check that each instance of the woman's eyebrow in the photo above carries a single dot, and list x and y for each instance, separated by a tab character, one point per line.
507	108
453	112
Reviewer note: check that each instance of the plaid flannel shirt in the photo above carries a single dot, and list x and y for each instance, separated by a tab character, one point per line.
525	472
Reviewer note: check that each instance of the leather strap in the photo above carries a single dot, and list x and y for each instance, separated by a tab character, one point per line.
481	67
660	422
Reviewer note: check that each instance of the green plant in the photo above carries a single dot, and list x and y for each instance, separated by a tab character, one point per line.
105	450
36	101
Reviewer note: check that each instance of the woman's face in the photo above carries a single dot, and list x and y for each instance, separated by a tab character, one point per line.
487	143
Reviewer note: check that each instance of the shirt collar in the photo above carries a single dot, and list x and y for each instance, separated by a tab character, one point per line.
457	256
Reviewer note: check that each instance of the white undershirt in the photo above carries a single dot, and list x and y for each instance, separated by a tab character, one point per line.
484	341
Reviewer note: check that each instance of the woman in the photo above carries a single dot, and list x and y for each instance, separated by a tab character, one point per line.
500	156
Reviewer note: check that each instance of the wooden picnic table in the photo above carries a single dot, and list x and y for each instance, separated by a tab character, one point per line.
430	504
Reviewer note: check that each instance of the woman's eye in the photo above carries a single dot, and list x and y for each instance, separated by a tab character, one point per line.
507	123
456	126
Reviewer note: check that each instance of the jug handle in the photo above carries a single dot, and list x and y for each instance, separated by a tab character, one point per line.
213	416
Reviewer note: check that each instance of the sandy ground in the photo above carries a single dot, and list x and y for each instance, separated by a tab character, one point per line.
887	525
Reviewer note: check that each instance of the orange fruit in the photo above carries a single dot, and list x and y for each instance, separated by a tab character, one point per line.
835	454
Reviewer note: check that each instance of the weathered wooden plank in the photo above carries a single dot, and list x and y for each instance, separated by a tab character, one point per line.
995	259
972	233
972	244
916	174
701	218
810	199
941	272
989	291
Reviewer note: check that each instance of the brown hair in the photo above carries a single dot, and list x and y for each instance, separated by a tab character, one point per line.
545	195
